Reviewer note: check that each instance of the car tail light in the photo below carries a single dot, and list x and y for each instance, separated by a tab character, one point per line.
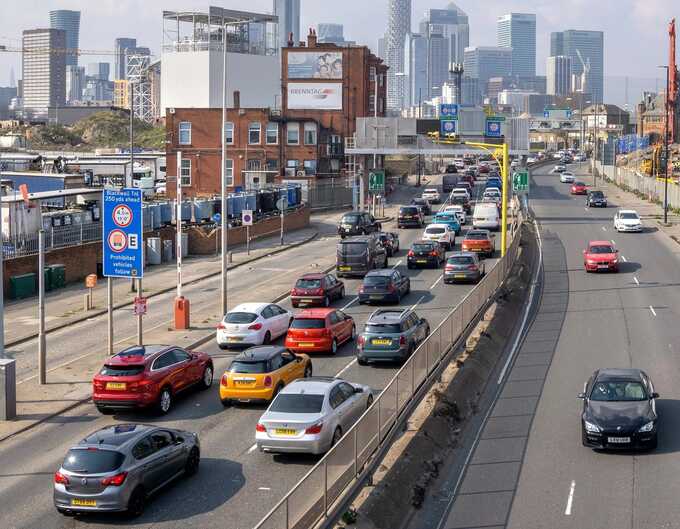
361	289
255	327
294	292
60	478
411	253
314	429
260	428
433	253
225	379
221	326
268	381
318	292
141	386
115	481
402	340
98	385
472	267
361	340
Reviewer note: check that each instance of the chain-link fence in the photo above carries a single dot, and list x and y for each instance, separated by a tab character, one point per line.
651	188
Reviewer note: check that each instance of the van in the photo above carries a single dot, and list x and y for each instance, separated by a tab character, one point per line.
355	256
486	216
449	181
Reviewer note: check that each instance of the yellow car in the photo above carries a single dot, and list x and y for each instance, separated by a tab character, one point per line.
259	373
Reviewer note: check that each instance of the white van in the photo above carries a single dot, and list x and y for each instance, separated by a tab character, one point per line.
486	216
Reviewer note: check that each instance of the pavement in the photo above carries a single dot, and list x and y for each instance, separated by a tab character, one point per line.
236	482
528	468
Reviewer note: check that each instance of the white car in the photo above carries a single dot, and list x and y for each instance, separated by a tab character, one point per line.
559	168
627	220
442	234
460	192
567	178
253	324
458	211
532	159
492	195
432	196
514	164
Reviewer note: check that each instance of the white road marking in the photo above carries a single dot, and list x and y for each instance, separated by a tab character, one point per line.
252	448
623	258
346	368
264	488
613	242
398	263
349	304
652	309
570	499
418	302
604	229
636	281
437	281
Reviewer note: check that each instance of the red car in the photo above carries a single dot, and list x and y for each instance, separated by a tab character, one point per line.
484	169
317	289
579	188
320	330
149	376
479	241
601	256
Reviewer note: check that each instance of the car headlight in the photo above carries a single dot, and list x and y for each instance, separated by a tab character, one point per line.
591	262
647	427
592	428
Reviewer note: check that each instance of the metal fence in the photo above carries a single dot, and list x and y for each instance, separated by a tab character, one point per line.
332	479
55	238
327	196
650	187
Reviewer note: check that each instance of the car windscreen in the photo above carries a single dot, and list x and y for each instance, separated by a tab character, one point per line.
596	194
459	199
308	283
297	403
476	236
308	323
618	390
435	231
353	248
579	184
383	328
350	219
240	317
408	211
419	201
628	216
255	367
461	260
121	371
600	248
376	281
92	460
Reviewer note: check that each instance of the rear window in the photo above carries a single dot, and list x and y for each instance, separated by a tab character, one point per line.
353	248
435	230
350	219
423	247
597	194
408	211
386	328
308	323
445	218
476	236
296	403
121	371
238	366
461	260
92	460
373	281
308	283
241	317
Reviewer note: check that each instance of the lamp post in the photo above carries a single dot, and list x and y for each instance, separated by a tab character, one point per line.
665	143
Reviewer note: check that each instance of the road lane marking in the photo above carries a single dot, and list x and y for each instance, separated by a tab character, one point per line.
652	309
437	281
252	448
349	304
418	302
636	281
264	488
570	499
346	368
396	265
604	229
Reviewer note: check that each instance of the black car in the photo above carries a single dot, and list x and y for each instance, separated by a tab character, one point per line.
357	223
619	410
390	242
462	201
449	181
596	199
423	204
425	253
384	286
451	168
356	256
410	216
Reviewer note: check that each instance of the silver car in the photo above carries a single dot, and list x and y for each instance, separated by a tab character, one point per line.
311	415
118	467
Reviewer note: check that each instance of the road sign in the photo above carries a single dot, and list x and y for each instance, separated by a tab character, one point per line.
122	233
448	111
448	127
282	203
376	181
520	182
247	217
91	281
217	218
493	128
139	306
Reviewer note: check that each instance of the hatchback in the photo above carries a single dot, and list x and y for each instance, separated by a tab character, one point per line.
442	234
149	376
448	218
432	196
478	241
579	188
391	335
320	331
253	324
317	289
627	220
425	253
463	266
384	286
119	467
596	199
410	216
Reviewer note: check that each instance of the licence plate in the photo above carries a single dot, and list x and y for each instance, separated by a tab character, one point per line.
288	432
421	261
305	344
235	339
241	382
619	440
115	385
603	267
345	268
459	276
381	342
83	503
305	301
376	297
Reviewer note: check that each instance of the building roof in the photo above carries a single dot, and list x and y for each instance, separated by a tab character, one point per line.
219	16
46	195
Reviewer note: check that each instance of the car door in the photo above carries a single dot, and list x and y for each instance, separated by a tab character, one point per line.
168	372
354	401
191	369
149	463
344	326
342	409
170	461
282	319
290	369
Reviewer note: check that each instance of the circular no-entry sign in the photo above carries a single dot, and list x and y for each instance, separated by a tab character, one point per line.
122	215
117	241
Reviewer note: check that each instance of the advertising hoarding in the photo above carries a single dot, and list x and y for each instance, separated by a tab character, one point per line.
315	96
314	65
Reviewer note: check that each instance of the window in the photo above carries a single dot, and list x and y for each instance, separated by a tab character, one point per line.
347	390
229	171
267	312
272	136
371	73
161	439
185	173
336	397
310	167
181	356
293	137
273	165
276	362
229	133
371	103
164	361
185	133
254	131
310	133
143	448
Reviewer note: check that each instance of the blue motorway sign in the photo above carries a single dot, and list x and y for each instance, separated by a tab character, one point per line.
122	233
447	127
448	111
493	128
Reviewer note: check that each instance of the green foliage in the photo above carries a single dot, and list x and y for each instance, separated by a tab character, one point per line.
112	129
53	134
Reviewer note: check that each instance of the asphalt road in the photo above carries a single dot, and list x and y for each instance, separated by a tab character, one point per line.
529	469
236	484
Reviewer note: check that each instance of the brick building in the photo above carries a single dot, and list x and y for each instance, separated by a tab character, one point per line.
324	89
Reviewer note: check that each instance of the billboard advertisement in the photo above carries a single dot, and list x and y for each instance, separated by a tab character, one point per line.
315	96
315	65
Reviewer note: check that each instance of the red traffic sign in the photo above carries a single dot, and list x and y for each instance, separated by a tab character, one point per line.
122	215
117	241
140	306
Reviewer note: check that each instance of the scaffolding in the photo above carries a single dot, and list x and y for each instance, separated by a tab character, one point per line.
141	99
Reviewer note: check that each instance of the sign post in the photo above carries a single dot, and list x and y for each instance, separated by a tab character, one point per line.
282	205
376	181
247	221
493	127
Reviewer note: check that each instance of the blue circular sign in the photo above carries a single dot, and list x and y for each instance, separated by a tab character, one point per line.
449	126
217	218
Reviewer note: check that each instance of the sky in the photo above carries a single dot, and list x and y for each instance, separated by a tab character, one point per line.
636	39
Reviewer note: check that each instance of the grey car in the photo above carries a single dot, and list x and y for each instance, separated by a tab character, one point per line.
463	266
391	335
117	468
310	415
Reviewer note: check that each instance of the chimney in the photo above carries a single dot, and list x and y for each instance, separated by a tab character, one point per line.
311	38
237	99
291	42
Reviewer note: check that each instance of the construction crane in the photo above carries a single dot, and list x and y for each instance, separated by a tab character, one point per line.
65	51
586	71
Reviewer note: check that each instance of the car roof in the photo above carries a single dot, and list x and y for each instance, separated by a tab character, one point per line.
435	225
143	350
249	307
600	243
260	353
388	315
356	238
462	254
315	275
314	313
312	385
116	435
423	241
619	373
387	273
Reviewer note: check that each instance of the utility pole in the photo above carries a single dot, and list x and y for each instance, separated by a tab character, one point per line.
665	142
2	293
42	353
224	209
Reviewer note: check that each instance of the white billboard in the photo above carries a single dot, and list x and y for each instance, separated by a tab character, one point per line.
315	96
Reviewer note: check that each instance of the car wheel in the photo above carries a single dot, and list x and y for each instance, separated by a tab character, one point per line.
267	338
369	401
226	402
337	435
164	401
308	370
342	293
193	462
105	411
207	378
326	302
334	346
136	503
222	346
361	361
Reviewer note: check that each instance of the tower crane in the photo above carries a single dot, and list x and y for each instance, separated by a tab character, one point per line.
586	71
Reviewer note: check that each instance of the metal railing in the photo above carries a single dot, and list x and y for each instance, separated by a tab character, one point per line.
55	238
333	478
327	196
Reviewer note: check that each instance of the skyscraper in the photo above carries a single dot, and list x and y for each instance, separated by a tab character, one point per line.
99	70
382	47
398	27
333	33
437	63
415	68
485	62
75	83
69	21
288	12
120	63
518	31
558	70
43	72
590	44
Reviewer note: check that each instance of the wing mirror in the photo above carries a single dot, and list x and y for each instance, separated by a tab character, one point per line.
358	390
655	395
581	396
